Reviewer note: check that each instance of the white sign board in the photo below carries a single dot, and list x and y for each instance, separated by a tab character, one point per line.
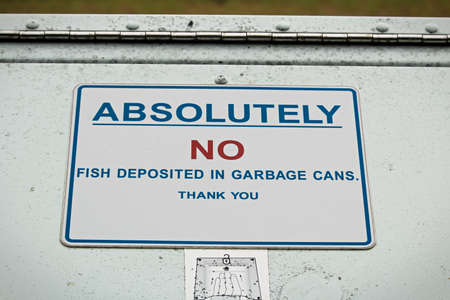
215	166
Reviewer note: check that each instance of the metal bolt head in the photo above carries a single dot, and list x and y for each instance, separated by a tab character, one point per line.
32	25
382	27
282	26
132	26
220	80
431	28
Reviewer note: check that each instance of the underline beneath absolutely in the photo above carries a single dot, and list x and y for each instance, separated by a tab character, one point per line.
216	125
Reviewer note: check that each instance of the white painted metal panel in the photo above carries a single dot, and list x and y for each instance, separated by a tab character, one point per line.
405	112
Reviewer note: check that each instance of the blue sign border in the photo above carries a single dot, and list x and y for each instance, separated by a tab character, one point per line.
165	243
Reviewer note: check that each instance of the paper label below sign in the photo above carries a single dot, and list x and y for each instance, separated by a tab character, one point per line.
223	274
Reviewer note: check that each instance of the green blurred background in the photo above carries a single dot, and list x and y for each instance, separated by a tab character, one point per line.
430	8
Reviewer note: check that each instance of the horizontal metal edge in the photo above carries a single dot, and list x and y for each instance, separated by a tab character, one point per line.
183	36
385	38
107	35
234	36
81	35
360	37
57	35
209	36
409	38
238	36
132	35
310	37
158	35
335	37
259	36
31	35
9	34
435	38
284	37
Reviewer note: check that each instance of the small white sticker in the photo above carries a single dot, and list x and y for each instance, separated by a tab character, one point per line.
222	274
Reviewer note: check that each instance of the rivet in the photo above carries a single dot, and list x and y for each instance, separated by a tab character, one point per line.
221	80
382	27
132	26
431	28
282	26
32	25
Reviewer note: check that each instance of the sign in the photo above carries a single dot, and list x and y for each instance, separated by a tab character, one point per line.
235	166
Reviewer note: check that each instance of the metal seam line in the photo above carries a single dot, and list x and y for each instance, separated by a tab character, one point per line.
224	36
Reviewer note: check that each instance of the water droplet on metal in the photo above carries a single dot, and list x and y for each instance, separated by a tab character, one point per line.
431	28
382	27
282	26
32	25
132	26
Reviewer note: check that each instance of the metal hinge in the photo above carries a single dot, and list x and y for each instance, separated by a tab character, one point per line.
223	36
